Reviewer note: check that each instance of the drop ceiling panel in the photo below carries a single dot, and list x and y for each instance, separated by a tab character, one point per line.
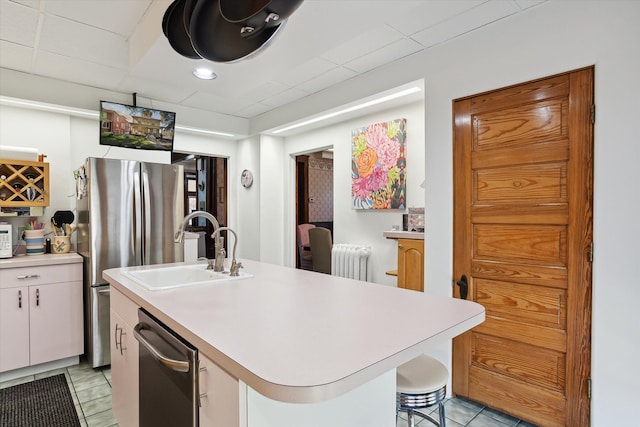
306	71
430	13
365	43
18	23
77	40
327	79
15	56
463	23
100	14
525	4
171	92
253	110
285	97
79	71
266	90
384	55
211	102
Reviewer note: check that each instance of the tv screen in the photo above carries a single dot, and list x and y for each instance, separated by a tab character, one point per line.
128	126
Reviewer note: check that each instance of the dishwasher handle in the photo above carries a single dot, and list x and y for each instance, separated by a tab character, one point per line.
173	364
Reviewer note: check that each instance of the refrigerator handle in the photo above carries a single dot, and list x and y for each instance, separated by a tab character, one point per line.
146	212
137	220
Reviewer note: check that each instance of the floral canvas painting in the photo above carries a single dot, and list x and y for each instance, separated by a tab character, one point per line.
378	161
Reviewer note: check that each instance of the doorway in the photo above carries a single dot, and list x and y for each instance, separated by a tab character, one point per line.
523	208
314	192
205	189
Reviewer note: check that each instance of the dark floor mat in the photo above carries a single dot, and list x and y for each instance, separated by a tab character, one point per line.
42	403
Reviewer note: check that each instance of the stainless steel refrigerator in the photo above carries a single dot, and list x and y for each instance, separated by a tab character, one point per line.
128	213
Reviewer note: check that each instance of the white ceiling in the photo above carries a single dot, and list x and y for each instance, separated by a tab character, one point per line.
118	45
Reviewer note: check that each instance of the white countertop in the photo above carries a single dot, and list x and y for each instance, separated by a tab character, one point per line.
397	234
35	260
299	336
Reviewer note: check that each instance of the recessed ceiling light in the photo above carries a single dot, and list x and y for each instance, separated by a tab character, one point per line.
204	74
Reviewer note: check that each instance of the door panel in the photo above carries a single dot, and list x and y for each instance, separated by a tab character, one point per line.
523	199
526	244
546	183
546	368
537	122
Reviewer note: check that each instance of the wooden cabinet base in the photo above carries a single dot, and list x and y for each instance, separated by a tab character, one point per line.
411	264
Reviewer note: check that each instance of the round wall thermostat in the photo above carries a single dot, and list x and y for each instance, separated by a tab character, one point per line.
246	179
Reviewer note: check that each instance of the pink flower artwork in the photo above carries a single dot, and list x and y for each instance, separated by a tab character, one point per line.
378	160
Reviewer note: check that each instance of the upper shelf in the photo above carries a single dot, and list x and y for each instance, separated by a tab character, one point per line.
23	183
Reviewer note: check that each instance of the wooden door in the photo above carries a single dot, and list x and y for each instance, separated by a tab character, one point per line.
411	264
523	196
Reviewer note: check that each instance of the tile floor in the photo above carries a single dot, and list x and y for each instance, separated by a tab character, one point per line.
91	392
461	412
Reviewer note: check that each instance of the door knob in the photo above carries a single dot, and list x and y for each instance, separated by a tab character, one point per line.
464	286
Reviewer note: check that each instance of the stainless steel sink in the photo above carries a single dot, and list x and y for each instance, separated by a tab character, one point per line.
156	279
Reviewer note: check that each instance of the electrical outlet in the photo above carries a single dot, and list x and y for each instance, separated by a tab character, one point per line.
20	232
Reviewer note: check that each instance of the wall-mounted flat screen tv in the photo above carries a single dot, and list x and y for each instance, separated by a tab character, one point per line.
128	126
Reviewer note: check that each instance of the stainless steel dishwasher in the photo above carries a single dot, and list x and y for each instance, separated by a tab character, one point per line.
168	375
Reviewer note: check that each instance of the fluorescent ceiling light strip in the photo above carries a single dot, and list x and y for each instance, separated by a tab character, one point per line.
48	107
83	113
350	109
208	132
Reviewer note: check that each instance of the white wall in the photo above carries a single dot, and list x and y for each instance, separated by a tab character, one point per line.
363	226
272	201
249	199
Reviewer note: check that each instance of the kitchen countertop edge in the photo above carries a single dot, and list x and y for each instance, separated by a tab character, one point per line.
285	392
38	260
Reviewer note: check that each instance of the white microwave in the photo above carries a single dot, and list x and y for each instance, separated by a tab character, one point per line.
6	239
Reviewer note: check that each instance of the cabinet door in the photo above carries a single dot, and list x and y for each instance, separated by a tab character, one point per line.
124	372
14	328
56	329
411	264
219	396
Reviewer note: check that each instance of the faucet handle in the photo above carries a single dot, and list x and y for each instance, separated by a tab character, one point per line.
235	268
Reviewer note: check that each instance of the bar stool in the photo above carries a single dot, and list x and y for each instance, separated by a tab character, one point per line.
420	383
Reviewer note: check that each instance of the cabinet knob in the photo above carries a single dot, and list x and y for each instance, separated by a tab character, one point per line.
399	246
28	276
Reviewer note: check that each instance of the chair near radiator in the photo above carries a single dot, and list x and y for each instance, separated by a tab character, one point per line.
321	243
304	251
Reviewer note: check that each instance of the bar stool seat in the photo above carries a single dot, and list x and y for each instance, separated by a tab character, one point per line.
420	383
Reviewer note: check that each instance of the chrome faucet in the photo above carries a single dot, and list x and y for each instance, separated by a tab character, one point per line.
235	266
179	236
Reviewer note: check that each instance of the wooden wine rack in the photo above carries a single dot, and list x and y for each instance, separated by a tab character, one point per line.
23	183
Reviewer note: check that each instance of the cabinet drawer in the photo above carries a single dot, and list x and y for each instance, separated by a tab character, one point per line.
126	309
40	275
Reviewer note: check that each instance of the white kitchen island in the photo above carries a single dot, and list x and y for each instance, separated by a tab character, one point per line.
293	347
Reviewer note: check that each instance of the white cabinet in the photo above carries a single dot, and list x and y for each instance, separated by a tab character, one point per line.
40	314
14	328
124	360
219	396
